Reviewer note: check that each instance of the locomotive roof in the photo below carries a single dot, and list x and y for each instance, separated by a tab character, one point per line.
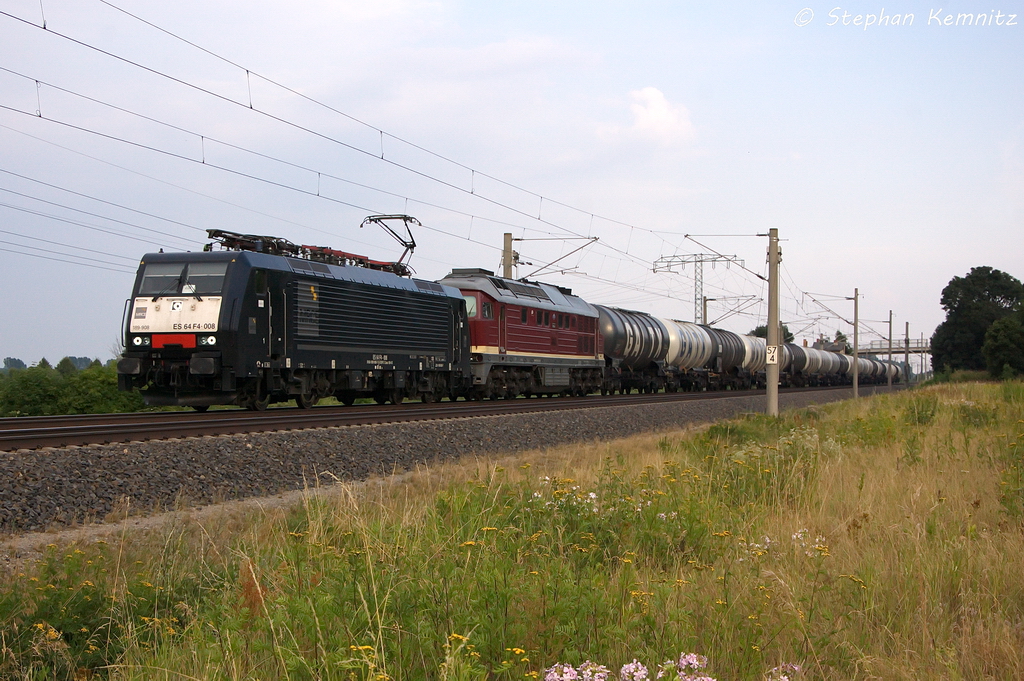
309	268
529	293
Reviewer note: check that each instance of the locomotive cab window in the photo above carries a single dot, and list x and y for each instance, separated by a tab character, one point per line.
161	278
470	306
523	316
204	278
199	278
487	310
259	282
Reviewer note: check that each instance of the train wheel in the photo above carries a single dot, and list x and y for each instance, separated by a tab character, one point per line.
348	398
380	398
201	407
396	397
258	403
307	400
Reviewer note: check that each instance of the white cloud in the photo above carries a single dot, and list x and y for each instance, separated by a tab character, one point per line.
654	117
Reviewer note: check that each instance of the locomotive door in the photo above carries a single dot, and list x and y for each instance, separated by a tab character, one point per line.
278	305
502	330
259	326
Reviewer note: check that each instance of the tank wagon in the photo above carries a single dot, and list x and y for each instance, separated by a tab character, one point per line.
264	320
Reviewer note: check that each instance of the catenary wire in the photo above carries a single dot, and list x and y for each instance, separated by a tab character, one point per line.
325	137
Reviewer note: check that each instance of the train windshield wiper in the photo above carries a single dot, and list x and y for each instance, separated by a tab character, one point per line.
195	294
170	288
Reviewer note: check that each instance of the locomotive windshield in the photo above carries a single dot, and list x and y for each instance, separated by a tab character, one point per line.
193	278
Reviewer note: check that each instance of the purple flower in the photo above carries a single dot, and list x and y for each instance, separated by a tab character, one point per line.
591	671
561	672
634	671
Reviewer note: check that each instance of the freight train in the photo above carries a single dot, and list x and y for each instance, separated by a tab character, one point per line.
262	320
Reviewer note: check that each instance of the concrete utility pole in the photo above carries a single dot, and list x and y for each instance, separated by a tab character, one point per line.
506	257
856	341
773	350
888	374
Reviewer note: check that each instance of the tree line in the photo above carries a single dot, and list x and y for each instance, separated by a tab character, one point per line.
77	385
984	327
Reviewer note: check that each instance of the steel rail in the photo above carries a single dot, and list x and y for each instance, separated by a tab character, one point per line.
34	432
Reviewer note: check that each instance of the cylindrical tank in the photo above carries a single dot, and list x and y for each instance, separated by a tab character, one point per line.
813	366
785	358
695	346
753	353
798	364
845	363
675	341
635	338
729	350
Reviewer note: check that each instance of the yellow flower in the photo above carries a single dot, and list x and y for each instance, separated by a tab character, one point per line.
468	543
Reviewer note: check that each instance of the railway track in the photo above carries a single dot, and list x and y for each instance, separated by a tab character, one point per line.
35	432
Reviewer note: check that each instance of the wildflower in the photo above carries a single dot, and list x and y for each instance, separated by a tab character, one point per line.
685	667
784	672
591	671
561	672
457	637
633	671
488	529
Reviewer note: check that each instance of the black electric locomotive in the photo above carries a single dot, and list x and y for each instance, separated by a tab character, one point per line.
266	320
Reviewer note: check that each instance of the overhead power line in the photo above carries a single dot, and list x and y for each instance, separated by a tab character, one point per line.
471	191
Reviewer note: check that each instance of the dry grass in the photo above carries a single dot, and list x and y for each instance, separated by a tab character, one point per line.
876	539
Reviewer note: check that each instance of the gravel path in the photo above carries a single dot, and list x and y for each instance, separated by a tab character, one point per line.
51	488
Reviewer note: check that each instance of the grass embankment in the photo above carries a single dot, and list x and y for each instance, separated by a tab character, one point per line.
877	539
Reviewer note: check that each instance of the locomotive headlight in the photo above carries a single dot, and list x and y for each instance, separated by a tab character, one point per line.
207	340
141	340
137	340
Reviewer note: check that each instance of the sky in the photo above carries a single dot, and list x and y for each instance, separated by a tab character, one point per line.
884	143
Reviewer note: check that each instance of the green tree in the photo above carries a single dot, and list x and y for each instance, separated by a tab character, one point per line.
14	363
972	303
1004	346
762	332
94	391
842	339
66	367
36	391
